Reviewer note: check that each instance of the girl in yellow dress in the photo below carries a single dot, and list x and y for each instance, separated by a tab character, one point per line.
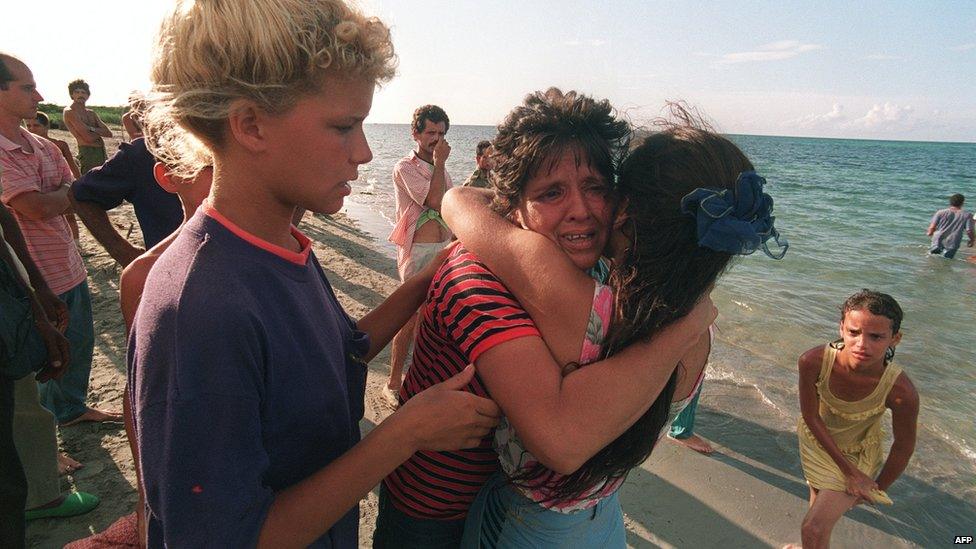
845	387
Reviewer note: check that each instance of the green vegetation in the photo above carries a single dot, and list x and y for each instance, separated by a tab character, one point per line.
109	115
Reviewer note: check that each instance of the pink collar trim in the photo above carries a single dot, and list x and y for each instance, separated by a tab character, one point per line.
298	258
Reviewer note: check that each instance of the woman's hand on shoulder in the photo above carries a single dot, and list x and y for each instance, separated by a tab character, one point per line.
446	417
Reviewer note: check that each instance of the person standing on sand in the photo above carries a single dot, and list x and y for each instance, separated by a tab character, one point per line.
36	183
29	460
247	377
420	180
41	125
482	157
127	176
682	429
948	226
845	388
130	530
85	125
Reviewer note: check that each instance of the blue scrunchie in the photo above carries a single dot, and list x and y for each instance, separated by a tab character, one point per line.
738	222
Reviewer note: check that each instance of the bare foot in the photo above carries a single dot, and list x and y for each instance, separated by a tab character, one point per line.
792	546
99	416
390	396
696	443
67	464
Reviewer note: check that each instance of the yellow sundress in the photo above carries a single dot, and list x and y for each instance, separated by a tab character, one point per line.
854	426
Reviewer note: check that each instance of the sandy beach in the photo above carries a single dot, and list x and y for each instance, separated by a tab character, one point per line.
749	493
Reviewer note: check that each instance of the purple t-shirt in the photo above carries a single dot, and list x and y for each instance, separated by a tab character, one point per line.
128	176
243	384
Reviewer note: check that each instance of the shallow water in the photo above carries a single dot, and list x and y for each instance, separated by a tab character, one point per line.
855	213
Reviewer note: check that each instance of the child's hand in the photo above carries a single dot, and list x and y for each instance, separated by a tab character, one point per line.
861	486
445	417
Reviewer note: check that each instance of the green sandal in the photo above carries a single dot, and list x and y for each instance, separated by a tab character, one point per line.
75	503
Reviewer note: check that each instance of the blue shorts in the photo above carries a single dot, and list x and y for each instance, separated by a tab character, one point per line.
503	517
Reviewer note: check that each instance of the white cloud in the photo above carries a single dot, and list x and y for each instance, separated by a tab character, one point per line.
964	47
881	119
829	119
774	51
881	57
885	116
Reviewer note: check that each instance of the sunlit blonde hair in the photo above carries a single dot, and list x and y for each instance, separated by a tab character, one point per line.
211	53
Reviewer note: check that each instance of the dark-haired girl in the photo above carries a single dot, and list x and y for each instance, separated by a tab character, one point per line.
845	388
692	202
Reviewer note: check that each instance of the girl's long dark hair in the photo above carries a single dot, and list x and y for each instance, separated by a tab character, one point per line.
664	273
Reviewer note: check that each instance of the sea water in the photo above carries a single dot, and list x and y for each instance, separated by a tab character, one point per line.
855	213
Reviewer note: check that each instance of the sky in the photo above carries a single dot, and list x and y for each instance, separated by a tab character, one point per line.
875	70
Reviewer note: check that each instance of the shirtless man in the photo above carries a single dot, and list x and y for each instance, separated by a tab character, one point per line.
420	180
87	128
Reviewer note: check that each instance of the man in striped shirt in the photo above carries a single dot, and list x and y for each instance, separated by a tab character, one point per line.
36	180
419	182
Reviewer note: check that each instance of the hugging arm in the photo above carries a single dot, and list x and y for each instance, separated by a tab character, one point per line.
565	420
556	294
